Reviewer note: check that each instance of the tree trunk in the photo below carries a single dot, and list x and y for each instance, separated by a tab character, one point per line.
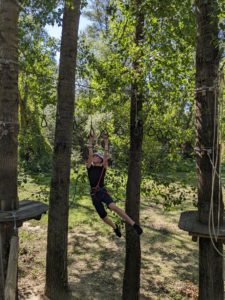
211	285
131	281
9	12
56	269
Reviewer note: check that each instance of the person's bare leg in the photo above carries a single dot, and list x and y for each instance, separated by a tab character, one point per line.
109	222
115	227
121	213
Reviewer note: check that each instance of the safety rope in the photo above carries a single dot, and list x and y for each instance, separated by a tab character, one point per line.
8	62
214	163
14	220
214	158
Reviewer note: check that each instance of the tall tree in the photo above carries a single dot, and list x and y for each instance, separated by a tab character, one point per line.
211	284
56	269
9	11
131	282
169	68
37	88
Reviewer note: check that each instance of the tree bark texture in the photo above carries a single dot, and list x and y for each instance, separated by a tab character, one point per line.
131	280
9	12
211	285
56	269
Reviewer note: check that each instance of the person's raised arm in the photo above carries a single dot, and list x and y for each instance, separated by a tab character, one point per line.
106	151
90	150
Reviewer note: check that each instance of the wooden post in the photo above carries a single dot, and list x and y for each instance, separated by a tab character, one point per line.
2	277
11	278
211	286
9	13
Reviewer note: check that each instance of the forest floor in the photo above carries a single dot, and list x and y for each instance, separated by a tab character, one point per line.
96	256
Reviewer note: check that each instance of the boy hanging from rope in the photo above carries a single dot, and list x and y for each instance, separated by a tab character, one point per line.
96	167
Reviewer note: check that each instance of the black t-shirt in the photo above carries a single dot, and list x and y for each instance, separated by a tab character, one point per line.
94	174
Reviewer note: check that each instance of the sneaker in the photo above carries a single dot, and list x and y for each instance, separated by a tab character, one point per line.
138	229
117	231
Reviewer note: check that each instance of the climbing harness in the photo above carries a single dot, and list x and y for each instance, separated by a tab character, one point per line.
97	187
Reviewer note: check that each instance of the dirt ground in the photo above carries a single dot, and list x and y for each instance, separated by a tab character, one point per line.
96	260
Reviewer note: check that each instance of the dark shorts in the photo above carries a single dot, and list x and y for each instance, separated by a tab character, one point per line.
100	197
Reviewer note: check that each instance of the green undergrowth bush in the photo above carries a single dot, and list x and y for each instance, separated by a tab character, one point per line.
169	190
170	194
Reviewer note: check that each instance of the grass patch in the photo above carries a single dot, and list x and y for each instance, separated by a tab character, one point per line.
96	255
